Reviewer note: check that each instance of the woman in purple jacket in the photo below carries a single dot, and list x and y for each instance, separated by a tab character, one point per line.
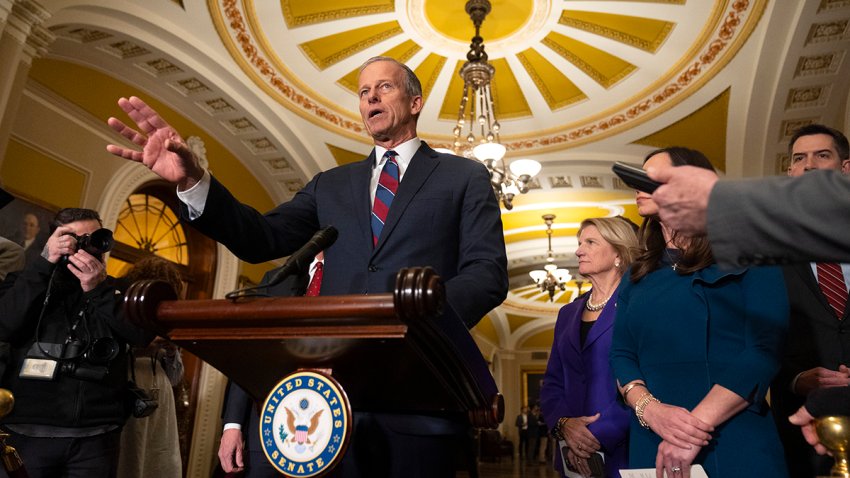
579	394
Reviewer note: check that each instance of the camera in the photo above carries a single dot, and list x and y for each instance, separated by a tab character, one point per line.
88	362
74	358
141	404
97	243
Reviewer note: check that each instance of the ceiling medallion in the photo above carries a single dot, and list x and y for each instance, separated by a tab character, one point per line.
424	33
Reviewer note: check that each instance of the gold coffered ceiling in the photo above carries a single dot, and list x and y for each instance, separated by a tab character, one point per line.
567	72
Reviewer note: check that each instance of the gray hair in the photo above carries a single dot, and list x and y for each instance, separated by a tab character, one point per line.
412	86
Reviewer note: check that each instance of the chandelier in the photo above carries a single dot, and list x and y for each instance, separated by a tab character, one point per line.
477	116
551	277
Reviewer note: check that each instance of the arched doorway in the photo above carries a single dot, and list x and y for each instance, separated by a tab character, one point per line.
148	224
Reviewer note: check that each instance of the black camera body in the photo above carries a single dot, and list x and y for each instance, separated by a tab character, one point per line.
97	243
88	361
140	402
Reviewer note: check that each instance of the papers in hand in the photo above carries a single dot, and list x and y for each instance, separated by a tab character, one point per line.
562	445
697	471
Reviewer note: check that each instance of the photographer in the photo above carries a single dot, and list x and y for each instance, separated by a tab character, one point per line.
68	365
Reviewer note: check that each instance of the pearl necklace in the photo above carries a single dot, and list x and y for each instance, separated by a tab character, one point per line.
595	307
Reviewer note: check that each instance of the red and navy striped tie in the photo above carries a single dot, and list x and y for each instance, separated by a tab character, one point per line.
387	187
831	281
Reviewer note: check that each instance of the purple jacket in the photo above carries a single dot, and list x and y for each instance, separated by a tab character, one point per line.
579	382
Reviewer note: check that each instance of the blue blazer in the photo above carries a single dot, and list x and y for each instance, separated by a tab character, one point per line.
579	382
444	215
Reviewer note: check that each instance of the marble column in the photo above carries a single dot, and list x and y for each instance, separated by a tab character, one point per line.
23	38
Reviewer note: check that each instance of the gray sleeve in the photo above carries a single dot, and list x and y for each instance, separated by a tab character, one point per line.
780	220
11	257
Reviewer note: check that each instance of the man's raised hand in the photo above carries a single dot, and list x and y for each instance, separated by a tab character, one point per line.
163	150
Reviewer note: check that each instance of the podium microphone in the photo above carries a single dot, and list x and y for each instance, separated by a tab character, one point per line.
301	259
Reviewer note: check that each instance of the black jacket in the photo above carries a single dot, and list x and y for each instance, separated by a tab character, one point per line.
74	397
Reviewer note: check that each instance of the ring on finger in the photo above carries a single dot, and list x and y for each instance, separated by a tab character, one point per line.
676	469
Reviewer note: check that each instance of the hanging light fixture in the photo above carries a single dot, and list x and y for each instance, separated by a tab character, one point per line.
477	116
551	277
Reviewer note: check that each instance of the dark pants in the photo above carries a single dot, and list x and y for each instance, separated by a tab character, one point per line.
85	457
256	463
386	446
523	442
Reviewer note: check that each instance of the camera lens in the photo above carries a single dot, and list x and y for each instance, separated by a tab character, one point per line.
97	243
102	350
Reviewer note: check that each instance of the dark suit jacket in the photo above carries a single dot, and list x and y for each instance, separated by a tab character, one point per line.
579	381
816	338
780	220
444	215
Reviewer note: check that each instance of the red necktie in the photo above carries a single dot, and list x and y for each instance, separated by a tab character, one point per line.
387	187
316	282
831	282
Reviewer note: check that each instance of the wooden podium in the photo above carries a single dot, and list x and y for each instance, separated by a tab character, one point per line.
390	352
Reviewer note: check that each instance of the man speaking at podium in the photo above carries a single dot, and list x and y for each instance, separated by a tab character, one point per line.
405	205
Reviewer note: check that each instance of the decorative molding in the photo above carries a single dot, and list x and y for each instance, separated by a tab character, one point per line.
828	31
337	13
591	182
277	165
292	185
560	181
832	5
819	64
206	431
807	97
783	163
617	35
238	39
216	106
86	35
343	53
259	146
159	67
192	86
788	127
124	49
241	125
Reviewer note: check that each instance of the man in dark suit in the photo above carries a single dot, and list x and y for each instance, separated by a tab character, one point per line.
522	426
817	350
440	211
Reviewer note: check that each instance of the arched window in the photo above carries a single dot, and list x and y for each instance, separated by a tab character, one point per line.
146	225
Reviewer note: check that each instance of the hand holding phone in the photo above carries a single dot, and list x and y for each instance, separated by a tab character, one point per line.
635	177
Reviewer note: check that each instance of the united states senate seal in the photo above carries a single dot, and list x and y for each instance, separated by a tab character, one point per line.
305	424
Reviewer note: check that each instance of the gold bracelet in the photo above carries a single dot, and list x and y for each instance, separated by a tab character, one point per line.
629	388
559	434
641	407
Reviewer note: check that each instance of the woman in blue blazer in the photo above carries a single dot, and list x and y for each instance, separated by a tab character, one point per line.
695	348
579	396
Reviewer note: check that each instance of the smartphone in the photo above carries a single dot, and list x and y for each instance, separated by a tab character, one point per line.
635	177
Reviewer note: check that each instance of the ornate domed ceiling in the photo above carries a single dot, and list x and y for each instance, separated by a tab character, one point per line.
567	72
